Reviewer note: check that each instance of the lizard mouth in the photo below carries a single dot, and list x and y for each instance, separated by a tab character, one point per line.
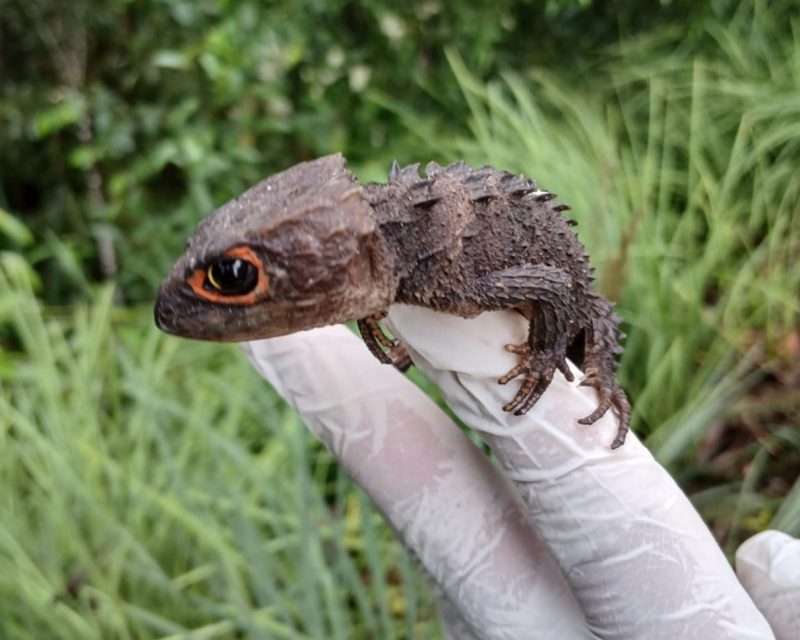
183	322
199	323
174	316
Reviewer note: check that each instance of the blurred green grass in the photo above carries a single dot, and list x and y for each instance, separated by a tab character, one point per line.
152	487
156	488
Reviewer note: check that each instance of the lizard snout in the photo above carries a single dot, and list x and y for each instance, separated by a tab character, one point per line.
165	315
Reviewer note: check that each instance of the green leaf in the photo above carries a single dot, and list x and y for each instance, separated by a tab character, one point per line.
64	113
169	59
13	229
83	157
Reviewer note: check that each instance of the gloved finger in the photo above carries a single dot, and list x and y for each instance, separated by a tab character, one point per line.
637	555
768	564
449	504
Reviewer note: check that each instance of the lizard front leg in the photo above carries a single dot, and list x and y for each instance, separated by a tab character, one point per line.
541	354
542	292
376	341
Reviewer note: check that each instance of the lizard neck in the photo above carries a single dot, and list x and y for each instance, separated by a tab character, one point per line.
396	220
382	267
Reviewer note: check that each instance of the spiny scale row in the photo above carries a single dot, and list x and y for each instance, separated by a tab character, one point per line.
483	183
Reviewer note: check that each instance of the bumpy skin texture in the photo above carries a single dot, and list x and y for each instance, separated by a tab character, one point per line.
458	240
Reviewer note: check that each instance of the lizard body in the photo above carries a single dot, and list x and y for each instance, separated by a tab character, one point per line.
310	247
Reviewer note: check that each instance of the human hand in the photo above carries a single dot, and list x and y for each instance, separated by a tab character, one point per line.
565	539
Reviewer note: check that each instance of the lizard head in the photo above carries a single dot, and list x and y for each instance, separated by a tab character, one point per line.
296	251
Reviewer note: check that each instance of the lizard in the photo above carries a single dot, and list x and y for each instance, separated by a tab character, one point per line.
311	246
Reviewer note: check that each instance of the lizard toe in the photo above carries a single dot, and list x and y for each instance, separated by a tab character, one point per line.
610	396
599	412
531	399
563	367
528	387
515	372
623	410
523	349
591	378
538	368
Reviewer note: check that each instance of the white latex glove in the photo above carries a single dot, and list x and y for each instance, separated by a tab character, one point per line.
563	539
768	565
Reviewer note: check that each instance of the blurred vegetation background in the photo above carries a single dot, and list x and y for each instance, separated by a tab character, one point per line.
154	488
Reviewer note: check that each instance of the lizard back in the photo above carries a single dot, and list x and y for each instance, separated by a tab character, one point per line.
456	224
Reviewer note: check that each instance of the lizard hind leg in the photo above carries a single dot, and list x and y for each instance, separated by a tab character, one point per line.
602	344
376	340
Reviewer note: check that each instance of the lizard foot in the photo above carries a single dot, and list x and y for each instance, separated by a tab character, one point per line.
611	397
376	340
538	368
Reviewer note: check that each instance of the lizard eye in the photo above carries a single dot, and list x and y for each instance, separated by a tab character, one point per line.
232	276
235	277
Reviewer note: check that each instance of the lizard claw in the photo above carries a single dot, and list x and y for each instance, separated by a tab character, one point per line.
538	368
611	396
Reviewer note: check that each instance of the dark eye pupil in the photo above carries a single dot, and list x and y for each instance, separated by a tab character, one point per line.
232	276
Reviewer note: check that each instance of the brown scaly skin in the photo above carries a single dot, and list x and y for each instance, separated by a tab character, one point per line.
320	249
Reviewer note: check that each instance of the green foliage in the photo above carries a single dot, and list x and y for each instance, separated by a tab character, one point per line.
123	122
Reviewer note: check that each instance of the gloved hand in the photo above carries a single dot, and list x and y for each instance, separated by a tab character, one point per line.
563	538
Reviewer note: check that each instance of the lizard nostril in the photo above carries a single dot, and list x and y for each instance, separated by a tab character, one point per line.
164	316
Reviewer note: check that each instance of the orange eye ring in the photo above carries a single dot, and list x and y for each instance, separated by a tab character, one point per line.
243	263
